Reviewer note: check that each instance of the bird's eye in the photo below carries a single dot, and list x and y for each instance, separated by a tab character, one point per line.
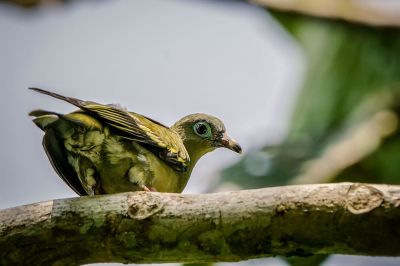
202	129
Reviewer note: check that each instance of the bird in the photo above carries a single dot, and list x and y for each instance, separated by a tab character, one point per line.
106	149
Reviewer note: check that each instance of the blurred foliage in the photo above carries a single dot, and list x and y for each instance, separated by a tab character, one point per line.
345	124
33	3
24	3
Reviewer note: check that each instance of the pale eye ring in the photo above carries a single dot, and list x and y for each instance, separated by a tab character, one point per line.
202	129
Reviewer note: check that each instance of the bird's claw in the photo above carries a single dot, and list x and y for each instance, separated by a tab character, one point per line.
149	189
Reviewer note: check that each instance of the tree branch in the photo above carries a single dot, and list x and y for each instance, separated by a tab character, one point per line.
366	12
146	227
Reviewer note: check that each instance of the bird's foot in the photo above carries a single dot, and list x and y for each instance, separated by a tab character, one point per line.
149	189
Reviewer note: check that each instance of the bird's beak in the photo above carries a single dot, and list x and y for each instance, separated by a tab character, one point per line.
229	143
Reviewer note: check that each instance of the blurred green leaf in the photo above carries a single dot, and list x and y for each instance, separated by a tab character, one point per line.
349	66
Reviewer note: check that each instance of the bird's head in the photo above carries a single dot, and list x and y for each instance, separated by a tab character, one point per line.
203	133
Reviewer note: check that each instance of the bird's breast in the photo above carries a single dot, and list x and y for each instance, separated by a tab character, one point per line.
128	166
163	177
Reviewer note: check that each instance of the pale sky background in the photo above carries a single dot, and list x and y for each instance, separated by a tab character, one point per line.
164	59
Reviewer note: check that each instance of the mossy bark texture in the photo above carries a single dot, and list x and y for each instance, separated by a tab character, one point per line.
146	227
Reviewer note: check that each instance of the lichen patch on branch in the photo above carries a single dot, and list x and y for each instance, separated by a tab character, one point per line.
362	198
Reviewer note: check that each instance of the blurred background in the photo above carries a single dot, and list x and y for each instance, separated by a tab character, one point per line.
311	94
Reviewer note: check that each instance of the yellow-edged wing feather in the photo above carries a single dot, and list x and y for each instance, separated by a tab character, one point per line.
159	139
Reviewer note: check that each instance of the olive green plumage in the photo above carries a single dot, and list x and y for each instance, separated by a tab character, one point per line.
103	149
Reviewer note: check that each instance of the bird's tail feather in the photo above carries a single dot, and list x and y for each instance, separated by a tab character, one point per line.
44	118
59	161
41	112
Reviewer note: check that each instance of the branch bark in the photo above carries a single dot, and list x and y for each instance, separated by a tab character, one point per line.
144	227
366	12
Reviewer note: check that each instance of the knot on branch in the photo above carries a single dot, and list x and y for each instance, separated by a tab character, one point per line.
363	198
142	205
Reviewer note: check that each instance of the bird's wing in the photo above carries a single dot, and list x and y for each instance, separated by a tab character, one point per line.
59	161
164	142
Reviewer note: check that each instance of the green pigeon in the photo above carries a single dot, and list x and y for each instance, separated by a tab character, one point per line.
105	149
